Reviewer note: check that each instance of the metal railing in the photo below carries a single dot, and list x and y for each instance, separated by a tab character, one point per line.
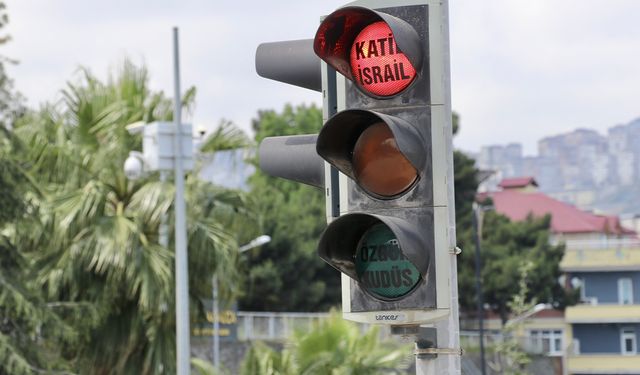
603	244
272	326
471	339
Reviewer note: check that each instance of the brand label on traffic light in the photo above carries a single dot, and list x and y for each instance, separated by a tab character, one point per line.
381	265
378	65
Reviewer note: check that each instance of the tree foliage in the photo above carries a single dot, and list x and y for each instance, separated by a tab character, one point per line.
466	183
287	274
508	355
97	245
32	334
333	346
505	245
29	326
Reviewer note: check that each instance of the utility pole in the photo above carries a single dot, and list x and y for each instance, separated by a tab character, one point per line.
167	147
181	272
477	218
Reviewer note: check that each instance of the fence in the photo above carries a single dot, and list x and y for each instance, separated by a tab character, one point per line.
274	326
271	326
603	244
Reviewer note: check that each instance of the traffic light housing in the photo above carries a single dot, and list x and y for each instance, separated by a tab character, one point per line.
391	238
390	138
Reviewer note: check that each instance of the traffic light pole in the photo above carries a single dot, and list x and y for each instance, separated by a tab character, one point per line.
448	331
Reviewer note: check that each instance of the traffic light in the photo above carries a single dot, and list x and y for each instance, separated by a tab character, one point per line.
389	136
391	239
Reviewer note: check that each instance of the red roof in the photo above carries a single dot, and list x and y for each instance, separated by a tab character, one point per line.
565	218
517	182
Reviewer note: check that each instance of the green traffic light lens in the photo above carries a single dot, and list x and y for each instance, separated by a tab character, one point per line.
382	268
379	166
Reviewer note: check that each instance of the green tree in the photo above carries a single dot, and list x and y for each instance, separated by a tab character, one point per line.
465	183
508	355
262	359
504	245
287	274
98	240
334	346
31	333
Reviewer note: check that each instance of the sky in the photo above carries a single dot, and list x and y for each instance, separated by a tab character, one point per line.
521	69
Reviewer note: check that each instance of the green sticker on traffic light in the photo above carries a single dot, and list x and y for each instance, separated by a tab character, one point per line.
382	268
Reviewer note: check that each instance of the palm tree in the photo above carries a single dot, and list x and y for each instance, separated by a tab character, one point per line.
338	347
28	325
261	359
333	347
99	237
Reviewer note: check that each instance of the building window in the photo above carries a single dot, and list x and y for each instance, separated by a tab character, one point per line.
628	341
583	289
546	341
625	291
581	284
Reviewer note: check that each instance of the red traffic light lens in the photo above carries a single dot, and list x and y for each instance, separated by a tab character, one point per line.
378	165
378	66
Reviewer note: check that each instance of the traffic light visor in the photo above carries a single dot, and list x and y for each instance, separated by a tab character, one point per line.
380	53
388	256
381	153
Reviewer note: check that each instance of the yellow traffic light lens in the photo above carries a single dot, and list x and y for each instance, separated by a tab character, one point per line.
378	165
378	66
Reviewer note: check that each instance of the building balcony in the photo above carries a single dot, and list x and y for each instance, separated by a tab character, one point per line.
614	258
602	364
602	314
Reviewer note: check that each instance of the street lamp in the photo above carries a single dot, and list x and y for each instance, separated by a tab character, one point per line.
258	241
532	311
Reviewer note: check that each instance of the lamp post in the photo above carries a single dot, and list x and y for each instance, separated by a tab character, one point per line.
477	224
477	218
169	147
258	241
181	270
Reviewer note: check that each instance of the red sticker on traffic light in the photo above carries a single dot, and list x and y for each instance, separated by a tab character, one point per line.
379	67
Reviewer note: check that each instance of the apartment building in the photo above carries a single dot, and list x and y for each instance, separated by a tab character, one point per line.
602	260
